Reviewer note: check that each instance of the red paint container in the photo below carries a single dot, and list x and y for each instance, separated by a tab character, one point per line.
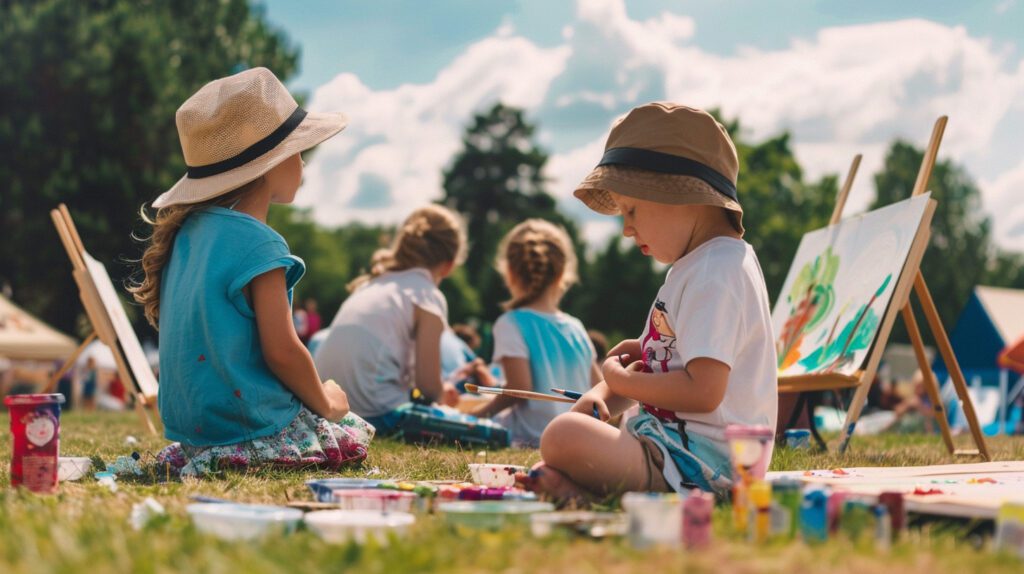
35	427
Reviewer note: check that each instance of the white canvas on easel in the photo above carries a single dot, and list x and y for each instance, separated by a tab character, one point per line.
109	321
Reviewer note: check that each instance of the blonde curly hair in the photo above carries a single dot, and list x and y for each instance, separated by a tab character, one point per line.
429	237
536	254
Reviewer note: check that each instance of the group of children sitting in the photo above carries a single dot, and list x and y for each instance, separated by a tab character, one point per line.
238	387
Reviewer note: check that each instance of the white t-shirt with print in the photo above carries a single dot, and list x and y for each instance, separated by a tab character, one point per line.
714	304
370	351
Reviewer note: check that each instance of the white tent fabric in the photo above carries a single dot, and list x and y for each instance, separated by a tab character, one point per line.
23	336
99	353
1006	310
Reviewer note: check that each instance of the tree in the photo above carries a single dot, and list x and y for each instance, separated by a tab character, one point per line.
88	92
497	181
960	252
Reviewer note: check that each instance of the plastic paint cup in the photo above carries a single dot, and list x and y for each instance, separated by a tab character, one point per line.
495	475
35	427
786	499
341	526
231	521
1010	529
654	518
893	501
814	516
798	438
323	488
750	447
697	512
374	499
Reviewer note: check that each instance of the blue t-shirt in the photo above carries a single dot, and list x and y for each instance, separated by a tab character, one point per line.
215	386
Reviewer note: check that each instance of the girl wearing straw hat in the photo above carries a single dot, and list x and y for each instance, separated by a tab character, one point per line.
237	387
706	358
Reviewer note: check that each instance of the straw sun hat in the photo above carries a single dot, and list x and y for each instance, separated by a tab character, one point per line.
235	129
666	153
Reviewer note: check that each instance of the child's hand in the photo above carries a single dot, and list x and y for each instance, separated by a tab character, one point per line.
629	347
615	370
586	405
337	402
449	395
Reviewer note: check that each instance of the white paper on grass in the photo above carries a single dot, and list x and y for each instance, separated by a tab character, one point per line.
133	352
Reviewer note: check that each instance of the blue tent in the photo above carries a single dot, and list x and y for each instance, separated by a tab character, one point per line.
992	319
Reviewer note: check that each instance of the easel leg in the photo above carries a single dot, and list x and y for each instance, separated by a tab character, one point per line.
812	424
930	384
51	385
946	350
853	413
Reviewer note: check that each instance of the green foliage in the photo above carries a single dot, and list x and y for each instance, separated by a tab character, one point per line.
88	92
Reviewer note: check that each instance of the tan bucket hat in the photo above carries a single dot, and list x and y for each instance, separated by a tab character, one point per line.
237	128
666	153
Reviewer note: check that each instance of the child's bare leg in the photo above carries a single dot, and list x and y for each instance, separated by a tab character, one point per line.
594	455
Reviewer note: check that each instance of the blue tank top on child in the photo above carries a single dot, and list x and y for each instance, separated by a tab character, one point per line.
560	356
215	386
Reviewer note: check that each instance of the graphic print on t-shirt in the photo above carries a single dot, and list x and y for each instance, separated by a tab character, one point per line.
660	341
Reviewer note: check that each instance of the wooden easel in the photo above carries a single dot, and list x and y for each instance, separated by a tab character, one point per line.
142	385
910	280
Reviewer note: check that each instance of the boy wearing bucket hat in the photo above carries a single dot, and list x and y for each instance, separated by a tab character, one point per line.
237	387
705	358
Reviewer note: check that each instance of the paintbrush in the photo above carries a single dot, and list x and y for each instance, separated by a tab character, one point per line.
516	394
575	395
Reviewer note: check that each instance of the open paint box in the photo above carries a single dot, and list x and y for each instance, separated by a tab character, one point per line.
491	514
340	526
495	475
379	500
323	488
231	521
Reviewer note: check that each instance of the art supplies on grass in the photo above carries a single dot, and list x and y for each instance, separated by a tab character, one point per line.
495	475
798	438
515	393
491	514
749	449
585	523
323	488
427	424
380	500
233	521
654	518
35	432
698	508
342	526
576	395
1010	529
72	468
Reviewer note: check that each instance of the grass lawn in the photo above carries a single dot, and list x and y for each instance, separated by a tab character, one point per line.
85	528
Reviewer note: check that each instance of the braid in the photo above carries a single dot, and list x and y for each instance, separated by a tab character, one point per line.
536	255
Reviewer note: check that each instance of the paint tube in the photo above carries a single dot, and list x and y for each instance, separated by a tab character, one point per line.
1010	529
697	511
740	507
883	527
785	508
814	516
893	502
857	520
760	501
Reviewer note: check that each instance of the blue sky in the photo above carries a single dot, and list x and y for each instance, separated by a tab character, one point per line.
843	77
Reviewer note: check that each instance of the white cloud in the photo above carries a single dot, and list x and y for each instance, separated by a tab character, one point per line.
846	90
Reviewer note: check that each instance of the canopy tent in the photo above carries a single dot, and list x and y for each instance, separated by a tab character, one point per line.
1012	357
992	319
23	336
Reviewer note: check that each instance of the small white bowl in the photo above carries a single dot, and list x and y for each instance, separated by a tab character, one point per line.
231	521
340	526
495	475
380	500
71	468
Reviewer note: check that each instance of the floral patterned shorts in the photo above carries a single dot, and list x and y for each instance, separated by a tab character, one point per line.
310	440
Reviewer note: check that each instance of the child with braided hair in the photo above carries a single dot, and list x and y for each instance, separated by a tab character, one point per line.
538	346
386	338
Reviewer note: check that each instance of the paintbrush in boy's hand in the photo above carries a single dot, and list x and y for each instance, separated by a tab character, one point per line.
517	394
575	395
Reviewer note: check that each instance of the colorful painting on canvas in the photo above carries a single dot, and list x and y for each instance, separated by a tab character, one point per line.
838	288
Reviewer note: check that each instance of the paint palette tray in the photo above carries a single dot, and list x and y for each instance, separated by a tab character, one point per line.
341	526
593	524
495	475
429	424
491	514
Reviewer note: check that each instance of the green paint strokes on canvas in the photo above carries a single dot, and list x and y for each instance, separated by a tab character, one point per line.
856	335
810	299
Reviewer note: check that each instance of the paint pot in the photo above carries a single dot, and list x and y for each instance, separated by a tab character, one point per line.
883	527
740	507
893	502
858	519
35	427
491	514
697	511
654	518
835	510
798	438
582	523
1010	529
72	468
377	499
323	488
231	521
750	448
495	475
342	526
814	516
785	513
760	508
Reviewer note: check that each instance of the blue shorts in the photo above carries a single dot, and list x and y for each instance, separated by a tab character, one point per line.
690	460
